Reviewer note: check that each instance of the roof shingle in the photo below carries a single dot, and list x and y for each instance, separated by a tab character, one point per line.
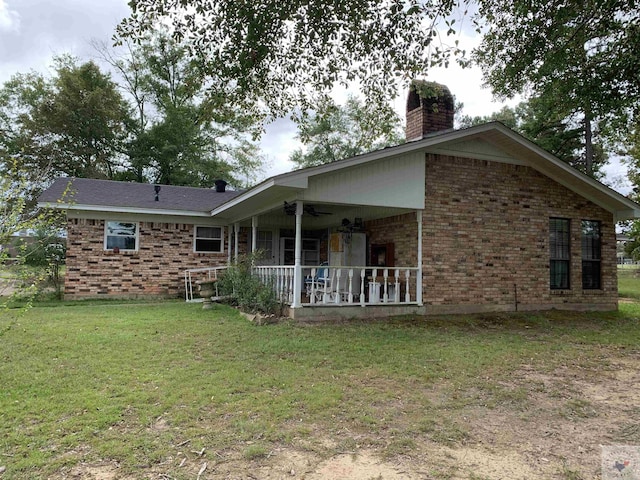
108	193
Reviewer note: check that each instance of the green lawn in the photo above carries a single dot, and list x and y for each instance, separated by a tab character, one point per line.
629	281
83	382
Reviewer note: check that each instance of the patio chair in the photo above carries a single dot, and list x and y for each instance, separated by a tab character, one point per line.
319	284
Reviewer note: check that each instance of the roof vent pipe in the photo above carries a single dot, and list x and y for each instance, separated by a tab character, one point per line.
221	186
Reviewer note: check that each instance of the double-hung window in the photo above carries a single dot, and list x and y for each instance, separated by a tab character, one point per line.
120	235
591	255
208	240
559	253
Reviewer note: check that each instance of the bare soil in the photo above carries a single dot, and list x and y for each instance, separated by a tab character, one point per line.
548	425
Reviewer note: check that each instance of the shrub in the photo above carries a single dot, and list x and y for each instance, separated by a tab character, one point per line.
246	290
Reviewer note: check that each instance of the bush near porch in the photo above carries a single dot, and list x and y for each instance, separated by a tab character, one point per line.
157	390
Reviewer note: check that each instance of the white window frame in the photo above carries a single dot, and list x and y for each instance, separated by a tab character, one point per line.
106	235
196	238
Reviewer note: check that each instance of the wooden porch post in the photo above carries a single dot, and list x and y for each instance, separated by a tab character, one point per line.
297	269
254	234
419	274
236	231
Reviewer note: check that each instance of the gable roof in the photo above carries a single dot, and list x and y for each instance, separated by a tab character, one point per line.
513	148
107	195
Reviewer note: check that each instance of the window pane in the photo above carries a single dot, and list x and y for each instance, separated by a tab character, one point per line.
559	253
121	228
591	275
121	235
206	245
590	240
559	278
208	232
123	243
591	255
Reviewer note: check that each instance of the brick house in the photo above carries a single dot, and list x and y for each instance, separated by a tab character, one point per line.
452	221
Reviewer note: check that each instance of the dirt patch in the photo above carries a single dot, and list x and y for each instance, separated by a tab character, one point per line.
539	424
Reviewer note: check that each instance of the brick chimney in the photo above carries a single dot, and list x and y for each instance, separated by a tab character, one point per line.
430	109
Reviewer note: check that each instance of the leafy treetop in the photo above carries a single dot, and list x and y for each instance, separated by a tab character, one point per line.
289	53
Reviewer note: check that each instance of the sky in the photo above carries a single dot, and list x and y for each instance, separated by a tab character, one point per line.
32	32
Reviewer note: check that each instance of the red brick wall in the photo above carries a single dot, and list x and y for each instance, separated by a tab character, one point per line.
486	238
156	269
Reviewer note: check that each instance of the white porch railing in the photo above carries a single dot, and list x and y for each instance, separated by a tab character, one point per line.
280	277
195	275
344	286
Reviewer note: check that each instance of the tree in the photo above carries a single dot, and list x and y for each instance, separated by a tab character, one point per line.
288	54
335	132
70	124
580	56
179	135
85	118
16	215
505	115
548	126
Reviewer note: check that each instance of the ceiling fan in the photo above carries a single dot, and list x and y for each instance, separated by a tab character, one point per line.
290	209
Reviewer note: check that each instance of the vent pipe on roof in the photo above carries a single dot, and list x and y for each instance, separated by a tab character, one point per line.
220	186
157	189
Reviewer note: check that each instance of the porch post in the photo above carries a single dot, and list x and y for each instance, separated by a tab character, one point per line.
236	231
254	234
419	274
229	243
297	269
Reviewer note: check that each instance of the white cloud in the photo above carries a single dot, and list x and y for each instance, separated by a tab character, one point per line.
9	19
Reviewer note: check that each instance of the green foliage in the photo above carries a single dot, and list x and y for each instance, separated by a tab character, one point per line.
244	289
288	54
85	119
579	58
334	132
179	135
552	127
46	250
70	124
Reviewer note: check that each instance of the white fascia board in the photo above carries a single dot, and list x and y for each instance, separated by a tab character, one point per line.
111	209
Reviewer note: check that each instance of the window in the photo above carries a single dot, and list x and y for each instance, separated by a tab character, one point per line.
121	235
591	255
264	242
559	253
208	240
310	251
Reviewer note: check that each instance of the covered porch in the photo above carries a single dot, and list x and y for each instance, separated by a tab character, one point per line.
340	236
331	260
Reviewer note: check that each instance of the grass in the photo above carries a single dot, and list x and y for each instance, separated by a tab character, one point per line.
629	281
129	382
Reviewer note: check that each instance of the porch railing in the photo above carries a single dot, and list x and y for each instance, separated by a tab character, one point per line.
344	286
195	275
